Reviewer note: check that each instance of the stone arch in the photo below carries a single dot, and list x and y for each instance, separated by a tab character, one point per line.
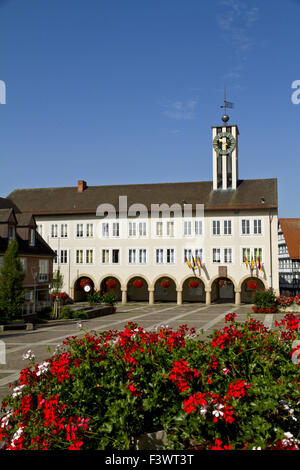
249	276
193	294
246	293
79	294
222	293
117	289
164	275
165	294
137	294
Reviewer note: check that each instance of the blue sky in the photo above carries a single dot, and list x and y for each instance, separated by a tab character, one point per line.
125	92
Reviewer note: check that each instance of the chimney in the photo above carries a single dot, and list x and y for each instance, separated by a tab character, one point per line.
81	185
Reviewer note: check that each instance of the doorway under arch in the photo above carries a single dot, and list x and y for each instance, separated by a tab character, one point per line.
249	286
222	290
193	290
111	284
165	290
137	289
82	288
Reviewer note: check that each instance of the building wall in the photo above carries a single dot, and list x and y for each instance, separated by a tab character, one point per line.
178	271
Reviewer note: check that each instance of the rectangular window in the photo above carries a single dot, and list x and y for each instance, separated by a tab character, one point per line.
187	255
227	255
246	254
115	256
105	256
257	253
64	256
53	230
11	232
132	229
257	227
64	230
227	227
142	229
32	237
170	229
79	256
159	229
55	257
199	254
116	229
24	264
246	227
216	255
143	256
187	228
43	270
89	256
79	230
216	227
132	256
198	227
105	230
170	255
89	230
159	255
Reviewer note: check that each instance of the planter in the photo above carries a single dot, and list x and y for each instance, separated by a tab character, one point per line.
271	309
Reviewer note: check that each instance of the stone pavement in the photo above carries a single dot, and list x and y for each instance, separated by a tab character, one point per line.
44	339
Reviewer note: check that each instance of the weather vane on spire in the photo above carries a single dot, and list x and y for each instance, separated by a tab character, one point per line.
227	104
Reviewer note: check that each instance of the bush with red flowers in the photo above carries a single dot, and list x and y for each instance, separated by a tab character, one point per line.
237	389
264	301
286	301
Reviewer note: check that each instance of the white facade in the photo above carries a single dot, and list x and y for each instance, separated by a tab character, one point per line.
87	246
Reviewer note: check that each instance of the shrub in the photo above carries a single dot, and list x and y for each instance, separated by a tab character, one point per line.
80	314
66	312
237	389
109	298
264	299
95	297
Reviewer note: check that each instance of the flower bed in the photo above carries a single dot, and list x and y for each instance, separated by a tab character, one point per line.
289	304
236	389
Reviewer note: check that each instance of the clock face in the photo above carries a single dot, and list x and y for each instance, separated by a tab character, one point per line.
224	143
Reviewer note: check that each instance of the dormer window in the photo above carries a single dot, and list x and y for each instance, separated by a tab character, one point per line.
11	232
32	237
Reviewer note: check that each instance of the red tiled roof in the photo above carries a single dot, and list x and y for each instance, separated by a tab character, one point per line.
291	232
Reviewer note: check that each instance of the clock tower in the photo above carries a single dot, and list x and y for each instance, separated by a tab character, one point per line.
225	154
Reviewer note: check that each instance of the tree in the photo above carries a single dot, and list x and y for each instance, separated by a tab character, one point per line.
57	282
12	275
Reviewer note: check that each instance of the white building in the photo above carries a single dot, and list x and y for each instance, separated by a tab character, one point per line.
229	224
289	256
